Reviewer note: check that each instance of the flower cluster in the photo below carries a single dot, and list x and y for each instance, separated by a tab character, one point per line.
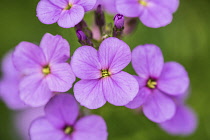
41	76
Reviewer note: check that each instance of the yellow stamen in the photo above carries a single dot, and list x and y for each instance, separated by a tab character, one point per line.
143	2
105	73
68	130
151	83
68	7
46	70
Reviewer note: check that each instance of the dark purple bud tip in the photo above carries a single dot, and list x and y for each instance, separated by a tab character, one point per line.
81	35
119	21
99	16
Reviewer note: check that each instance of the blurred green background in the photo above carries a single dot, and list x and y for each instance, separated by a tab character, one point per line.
186	40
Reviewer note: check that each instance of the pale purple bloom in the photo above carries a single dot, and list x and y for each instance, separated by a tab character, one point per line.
102	76
23	120
157	81
107	5
152	13
9	84
61	122
67	13
44	68
119	21
184	122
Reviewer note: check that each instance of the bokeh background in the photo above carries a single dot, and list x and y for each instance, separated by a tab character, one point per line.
186	40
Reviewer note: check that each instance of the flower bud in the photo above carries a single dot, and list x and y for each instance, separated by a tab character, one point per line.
83	39
119	21
99	16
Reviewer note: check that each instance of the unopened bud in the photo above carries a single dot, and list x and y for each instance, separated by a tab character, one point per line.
83	39
99	16
119	21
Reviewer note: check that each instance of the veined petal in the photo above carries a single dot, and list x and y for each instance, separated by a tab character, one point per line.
120	88
114	54
42	129
47	12
174	79
140	98
129	8
85	63
55	48
61	110
89	93
61	77
28	58
90	127
172	5
87	4
70	18
147	61
156	16
34	90
158	107
184	122
60	3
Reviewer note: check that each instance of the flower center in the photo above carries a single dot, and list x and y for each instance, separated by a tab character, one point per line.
151	83
46	70
143	2
105	73
68	7
68	130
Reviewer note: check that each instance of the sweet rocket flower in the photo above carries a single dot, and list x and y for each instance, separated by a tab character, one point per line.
23	119
157	81
102	78
44	68
61	122
67	13
184	122
107	5
9	84
152	13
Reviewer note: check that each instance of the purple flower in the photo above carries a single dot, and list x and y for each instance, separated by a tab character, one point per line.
102	78
44	68
184	122
23	119
67	13
157	81
61	122
108	5
152	13
119	21
9	84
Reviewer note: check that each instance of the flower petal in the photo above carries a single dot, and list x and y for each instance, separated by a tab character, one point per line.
87	4
28	58
85	63
174	79
34	90
114	54
184	122
47	12
147	61
89	93
61	110
120	88
158	107
140	98
70	18
42	129
172	5
129	8
60	3
55	48
156	16
90	127
61	77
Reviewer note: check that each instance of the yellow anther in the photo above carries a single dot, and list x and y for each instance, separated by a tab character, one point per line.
105	73
151	84
46	70
68	7
68	130
143	2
